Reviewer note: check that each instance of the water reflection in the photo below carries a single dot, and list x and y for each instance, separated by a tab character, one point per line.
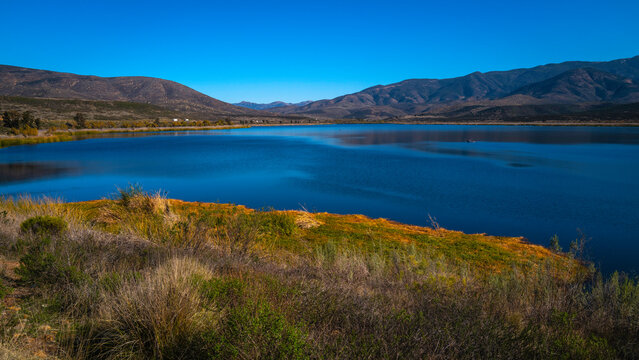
468	134
25	171
508	156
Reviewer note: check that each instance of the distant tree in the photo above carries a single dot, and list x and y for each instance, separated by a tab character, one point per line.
157	122
225	121
80	120
18	120
11	119
28	120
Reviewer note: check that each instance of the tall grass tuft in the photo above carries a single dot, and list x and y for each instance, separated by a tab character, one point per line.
135	198
156	315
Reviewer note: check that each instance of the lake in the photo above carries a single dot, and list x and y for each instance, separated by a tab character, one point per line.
529	181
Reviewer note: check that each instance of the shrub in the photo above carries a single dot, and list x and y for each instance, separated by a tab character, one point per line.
277	222
240	233
41	267
221	291
27	131
44	226
255	331
191	233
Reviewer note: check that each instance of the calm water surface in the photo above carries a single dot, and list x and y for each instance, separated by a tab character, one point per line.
518	181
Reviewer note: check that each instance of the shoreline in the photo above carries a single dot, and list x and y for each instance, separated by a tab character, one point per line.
81	134
74	135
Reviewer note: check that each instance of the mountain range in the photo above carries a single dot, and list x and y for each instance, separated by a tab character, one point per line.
567	83
570	89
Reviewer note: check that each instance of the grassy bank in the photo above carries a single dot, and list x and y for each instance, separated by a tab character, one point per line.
32	140
72	135
140	276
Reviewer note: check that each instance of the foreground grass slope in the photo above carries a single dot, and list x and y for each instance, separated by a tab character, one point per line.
141	276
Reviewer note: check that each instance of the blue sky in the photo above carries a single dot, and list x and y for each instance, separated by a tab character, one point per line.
295	50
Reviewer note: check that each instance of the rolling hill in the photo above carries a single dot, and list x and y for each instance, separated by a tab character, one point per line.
170	95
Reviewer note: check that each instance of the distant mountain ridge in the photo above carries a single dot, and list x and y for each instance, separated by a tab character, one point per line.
274	104
569	82
552	90
18	81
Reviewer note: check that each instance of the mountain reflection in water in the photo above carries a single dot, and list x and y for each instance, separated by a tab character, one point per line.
25	171
575	135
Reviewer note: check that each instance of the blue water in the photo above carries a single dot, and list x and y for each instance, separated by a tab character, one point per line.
501	180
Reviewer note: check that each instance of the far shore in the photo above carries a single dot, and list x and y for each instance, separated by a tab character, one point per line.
47	136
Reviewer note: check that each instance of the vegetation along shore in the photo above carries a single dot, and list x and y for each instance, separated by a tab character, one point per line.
141	276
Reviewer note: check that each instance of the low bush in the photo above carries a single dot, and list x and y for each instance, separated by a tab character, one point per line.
239	234
256	331
39	266
221	291
44	226
28	131
277	222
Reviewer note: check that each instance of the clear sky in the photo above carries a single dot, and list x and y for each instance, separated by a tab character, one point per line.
308	50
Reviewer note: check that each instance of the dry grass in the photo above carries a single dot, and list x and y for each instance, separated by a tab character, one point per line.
147	277
12	351
149	316
306	220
